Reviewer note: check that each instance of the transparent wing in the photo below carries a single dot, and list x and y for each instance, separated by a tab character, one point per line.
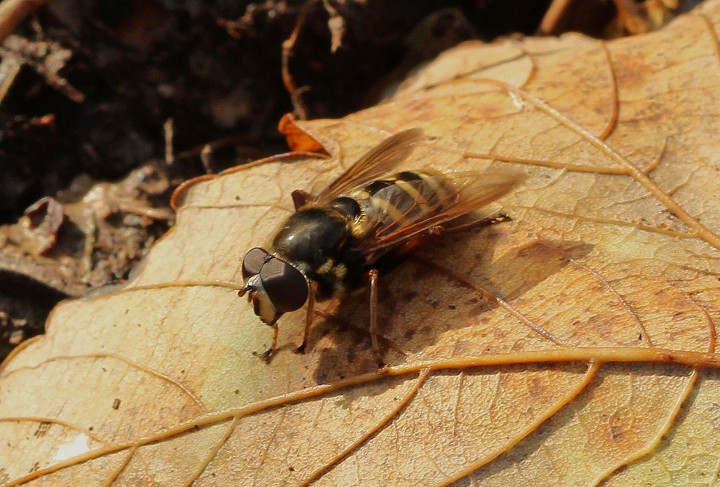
375	164
463	193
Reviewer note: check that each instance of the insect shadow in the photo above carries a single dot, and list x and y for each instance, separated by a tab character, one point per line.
449	285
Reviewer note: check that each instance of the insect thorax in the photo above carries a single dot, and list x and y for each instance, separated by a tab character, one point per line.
316	240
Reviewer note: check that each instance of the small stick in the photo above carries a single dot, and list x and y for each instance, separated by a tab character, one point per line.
169	132
206	158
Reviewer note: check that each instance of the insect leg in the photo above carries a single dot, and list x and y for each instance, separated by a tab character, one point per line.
268	355
481	223
429	235
301	198
308	316
373	274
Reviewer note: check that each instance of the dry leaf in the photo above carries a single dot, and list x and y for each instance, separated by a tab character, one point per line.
564	347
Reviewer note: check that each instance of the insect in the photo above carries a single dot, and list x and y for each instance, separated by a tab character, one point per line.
367	220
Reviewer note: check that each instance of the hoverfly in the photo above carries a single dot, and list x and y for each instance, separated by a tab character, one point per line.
368	219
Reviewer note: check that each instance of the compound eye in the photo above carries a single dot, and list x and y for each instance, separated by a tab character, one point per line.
286	286
253	262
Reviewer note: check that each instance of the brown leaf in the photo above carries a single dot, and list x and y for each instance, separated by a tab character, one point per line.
564	347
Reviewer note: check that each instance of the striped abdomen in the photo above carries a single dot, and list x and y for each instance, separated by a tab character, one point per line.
332	243
400	200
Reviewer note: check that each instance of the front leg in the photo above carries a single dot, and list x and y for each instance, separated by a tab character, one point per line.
270	352
309	316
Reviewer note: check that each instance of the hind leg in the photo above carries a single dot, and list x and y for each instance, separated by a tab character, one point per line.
373	275
476	224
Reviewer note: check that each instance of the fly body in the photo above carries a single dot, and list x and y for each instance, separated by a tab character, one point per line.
366	220
327	242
